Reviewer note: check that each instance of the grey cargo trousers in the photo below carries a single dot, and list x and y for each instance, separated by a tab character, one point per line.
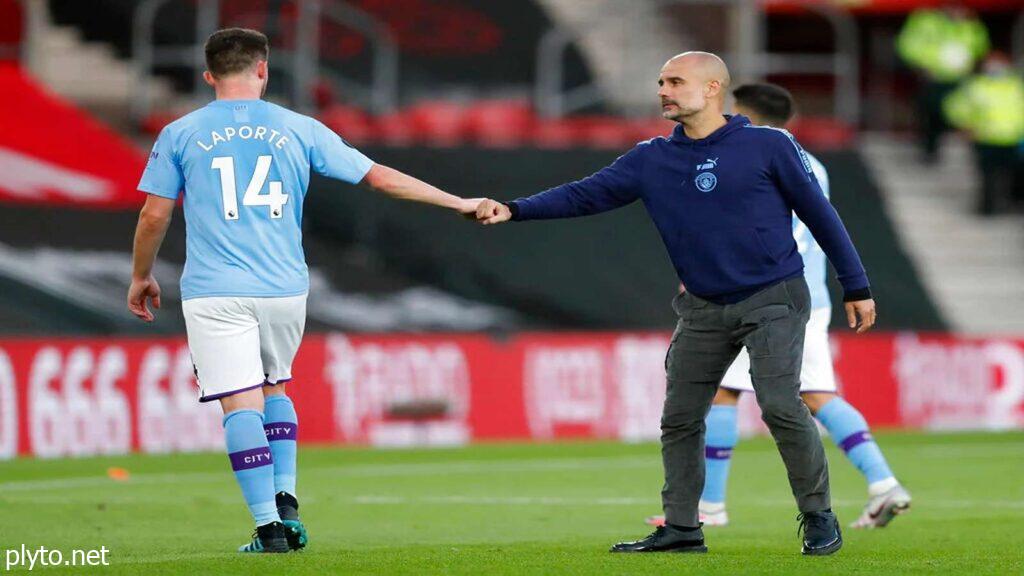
707	339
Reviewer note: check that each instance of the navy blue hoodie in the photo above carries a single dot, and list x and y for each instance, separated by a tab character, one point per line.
723	205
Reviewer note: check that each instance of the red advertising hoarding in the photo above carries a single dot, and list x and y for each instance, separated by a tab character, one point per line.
79	397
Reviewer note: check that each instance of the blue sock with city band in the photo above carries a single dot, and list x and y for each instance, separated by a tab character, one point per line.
282	425
722	434
850	432
253	465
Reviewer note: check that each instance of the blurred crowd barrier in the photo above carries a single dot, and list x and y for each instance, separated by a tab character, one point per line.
113	396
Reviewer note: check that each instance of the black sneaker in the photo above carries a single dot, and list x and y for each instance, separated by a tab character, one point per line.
667	538
294	529
821	533
268	538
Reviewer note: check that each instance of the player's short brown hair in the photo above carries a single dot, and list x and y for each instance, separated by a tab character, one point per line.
234	50
773	102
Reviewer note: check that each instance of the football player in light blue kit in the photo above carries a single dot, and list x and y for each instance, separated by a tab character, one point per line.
771	105
243	166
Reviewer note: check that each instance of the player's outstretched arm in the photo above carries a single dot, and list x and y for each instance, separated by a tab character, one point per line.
404	187
149	234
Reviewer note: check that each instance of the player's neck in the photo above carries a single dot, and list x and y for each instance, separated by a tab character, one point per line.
240	90
701	125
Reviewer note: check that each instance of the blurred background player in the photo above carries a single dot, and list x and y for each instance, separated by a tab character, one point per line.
943	44
245	280
989	106
772	105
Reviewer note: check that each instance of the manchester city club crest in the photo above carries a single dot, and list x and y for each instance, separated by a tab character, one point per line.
706	181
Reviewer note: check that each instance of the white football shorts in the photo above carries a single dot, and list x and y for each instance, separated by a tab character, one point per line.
816	373
238	344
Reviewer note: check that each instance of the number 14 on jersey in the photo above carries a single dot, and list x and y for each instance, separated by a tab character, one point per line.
275	198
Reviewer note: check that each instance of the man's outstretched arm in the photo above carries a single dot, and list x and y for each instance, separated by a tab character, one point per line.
149	235
404	187
611	187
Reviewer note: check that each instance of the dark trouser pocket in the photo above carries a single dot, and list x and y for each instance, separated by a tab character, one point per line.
771	325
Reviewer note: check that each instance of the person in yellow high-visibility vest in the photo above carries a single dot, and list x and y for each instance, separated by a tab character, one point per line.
944	45
990	107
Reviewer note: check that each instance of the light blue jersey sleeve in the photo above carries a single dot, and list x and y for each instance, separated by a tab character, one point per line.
332	157
821	174
163	175
815	262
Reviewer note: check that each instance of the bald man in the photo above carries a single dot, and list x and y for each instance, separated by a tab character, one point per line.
721	193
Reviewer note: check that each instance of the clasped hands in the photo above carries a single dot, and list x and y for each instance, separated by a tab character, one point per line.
484	210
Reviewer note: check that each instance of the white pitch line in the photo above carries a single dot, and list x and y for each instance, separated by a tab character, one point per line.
1000	450
634	501
191	556
508	500
94	481
355	471
447	468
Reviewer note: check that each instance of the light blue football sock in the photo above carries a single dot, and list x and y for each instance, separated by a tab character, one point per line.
252	462
282	427
850	432
722	434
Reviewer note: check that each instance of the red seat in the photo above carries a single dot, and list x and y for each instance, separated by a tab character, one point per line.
438	123
392	130
354	125
607	132
647	128
557	133
12	20
500	123
822	133
604	132
324	95
156	121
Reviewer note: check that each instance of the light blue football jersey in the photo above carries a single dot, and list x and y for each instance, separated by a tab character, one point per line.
244	166
815	264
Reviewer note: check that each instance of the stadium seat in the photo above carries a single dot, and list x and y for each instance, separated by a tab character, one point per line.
11	22
557	133
647	128
438	122
600	132
606	132
353	124
156	121
500	123
822	133
392	129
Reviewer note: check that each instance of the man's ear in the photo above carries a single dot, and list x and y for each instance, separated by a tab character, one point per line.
262	69
209	79
712	88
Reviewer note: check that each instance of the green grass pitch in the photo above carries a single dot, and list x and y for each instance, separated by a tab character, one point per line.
516	509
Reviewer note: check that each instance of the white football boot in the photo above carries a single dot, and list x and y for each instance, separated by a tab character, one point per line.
881	509
713	514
